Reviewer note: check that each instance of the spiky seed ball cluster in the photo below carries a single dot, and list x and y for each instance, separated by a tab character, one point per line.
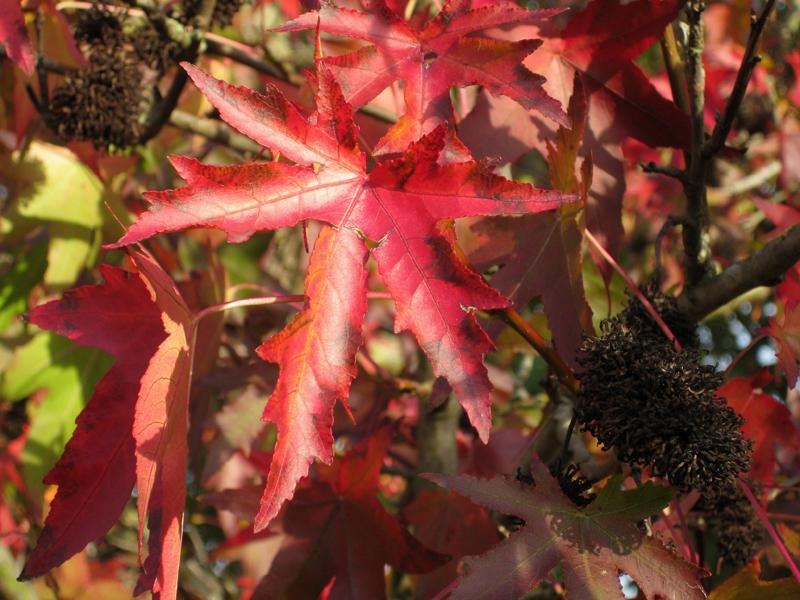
101	101
224	10
657	407
732	519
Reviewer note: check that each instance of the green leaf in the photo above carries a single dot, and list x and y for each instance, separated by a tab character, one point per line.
28	267
51	186
69	374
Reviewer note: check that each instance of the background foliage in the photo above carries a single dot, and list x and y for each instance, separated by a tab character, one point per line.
673	156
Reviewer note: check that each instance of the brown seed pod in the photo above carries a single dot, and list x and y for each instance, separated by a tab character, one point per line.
658	407
99	103
224	10
731	517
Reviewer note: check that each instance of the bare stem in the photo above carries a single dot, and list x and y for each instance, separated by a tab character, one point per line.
535	339
215	131
695	229
773	533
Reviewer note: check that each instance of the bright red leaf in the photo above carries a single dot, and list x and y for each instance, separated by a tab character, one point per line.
430	58
593	545
767	421
133	431
397	204
316	354
14	35
338	531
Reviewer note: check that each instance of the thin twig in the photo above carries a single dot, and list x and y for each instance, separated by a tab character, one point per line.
675	68
215	131
634	288
535	339
675	173
216	46
773	533
748	65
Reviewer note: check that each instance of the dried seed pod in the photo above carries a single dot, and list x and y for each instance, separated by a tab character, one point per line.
658	407
224	10
99	103
98	27
731	517
155	49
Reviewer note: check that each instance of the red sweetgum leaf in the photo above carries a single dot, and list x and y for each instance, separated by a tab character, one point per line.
452	525
160	430
398	205
133	430
97	471
14	35
430	58
316	353
767	421
593	544
337	530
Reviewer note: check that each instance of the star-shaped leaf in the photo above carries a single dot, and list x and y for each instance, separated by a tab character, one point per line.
448	50
397	205
593	545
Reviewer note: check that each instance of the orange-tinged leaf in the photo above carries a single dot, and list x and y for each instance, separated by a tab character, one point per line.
316	353
747	585
133	431
160	431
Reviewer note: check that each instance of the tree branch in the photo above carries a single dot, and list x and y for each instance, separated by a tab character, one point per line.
765	267
215	131
749	63
514	320
695	229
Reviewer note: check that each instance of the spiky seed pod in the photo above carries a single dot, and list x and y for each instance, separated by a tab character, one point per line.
658	407
574	485
155	49
97	28
679	323
731	518
224	10
99	103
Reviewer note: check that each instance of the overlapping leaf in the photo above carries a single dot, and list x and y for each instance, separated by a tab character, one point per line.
397	205
541	254
431	58
598	45
767	421
593	545
14	35
339	537
133	431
